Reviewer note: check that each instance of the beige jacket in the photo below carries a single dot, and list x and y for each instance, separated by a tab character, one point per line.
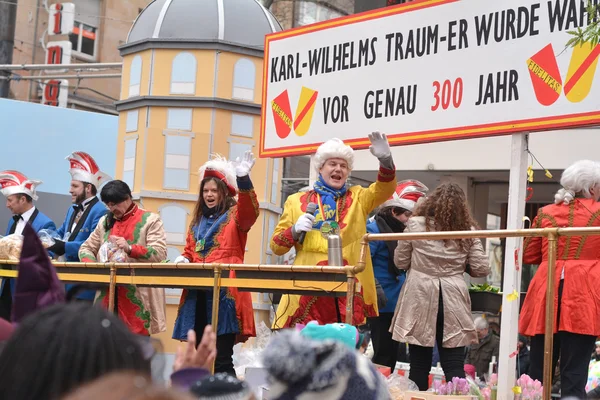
431	265
143	230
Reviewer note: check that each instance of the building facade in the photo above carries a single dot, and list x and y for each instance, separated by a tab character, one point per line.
99	27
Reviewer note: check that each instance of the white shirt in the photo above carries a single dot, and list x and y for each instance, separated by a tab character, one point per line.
24	219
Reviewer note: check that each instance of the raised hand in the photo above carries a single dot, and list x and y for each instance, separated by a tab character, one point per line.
244	166
380	147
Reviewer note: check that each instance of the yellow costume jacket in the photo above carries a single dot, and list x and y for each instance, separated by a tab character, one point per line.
353	209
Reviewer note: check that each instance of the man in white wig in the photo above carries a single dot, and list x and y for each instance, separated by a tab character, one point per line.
341	210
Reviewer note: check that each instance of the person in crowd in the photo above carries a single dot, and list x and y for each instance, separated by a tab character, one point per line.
20	193
67	345
434	303
138	236
299	367
340	210
391	217
480	354
523	356
577	278
218	234
82	218
126	385
64	346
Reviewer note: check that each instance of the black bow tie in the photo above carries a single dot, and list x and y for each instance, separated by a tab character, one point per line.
78	207
17	217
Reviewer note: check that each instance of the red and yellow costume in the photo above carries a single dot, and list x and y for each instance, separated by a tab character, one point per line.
579	258
142	309
225	244
353	208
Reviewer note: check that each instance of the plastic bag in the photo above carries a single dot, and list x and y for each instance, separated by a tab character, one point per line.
398	384
249	355
110	252
48	237
10	247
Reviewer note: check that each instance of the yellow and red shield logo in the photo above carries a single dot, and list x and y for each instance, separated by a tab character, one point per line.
304	112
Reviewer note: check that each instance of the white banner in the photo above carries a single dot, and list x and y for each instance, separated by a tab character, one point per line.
429	71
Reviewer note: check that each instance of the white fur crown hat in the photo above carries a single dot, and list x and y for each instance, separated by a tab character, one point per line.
333	148
406	195
220	168
83	168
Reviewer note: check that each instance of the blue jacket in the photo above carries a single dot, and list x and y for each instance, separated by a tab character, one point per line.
40	221
86	225
390	283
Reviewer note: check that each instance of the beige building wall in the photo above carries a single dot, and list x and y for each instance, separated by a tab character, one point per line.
211	130
112	20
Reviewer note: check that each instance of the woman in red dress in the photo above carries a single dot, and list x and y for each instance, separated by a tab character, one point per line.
218	234
577	279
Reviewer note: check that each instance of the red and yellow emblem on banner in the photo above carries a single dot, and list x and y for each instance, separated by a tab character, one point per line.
545	76
546	79
282	112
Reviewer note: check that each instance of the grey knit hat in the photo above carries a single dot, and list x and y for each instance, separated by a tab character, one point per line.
299	367
221	387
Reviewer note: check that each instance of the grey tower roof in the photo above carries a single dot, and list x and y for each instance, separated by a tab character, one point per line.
241	23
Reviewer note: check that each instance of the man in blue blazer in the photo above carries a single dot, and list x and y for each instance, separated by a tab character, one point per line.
20	193
83	216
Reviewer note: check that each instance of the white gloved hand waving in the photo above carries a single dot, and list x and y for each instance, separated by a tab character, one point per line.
380	147
243	166
181	259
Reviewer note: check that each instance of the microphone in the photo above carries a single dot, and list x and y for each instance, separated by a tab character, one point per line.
311	209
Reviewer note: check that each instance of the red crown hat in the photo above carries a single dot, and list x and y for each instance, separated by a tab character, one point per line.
218	167
407	194
14	182
84	169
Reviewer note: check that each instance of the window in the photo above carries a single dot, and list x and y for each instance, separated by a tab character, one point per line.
135	76
174	218
309	13
274	181
244	77
178	149
83	40
129	161
183	74
132	121
238	149
179	118
242	125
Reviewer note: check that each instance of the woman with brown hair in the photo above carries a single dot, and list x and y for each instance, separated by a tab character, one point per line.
218	234
434	305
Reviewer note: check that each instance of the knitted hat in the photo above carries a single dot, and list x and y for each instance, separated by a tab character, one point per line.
406	195
38	285
299	367
344	333
333	148
14	182
220	168
84	169
221	387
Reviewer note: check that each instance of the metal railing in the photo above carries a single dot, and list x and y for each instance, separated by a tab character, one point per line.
551	234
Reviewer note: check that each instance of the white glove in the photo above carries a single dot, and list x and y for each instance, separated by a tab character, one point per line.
181	259
243	167
380	147
304	223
